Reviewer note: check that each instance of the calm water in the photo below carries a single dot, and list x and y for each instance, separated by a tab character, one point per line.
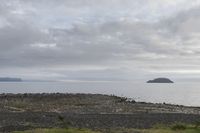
178	93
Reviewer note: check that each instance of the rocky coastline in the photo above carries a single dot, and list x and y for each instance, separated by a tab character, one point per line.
27	111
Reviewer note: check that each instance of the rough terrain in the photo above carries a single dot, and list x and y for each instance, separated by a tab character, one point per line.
27	111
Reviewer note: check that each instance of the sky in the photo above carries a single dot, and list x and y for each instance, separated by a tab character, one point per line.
99	40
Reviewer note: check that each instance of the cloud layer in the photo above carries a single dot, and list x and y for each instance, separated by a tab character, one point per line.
99	40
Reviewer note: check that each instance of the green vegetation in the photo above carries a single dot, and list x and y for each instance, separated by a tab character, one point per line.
179	126
162	129
175	128
170	131
57	130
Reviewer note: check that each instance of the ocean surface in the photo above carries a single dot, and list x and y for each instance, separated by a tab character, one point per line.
177	93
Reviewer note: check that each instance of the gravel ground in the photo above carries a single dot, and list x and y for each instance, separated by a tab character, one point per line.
28	111
28	120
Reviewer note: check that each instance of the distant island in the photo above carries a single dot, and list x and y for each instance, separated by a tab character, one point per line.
160	80
8	79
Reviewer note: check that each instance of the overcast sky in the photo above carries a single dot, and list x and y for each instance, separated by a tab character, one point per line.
100	40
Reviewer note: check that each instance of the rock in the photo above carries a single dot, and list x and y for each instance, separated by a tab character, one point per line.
7	79
160	80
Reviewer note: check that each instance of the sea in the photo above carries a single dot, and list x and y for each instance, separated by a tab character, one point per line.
187	94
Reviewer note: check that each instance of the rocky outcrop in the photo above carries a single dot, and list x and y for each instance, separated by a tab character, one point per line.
160	80
7	79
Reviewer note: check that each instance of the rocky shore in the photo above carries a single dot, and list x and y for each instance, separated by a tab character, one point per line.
30	120
27	111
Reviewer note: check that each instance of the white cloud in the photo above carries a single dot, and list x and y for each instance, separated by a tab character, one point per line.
44	45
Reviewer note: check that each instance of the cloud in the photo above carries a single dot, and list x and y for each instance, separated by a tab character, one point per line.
68	39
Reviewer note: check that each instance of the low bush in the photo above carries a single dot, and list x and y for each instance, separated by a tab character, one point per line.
178	126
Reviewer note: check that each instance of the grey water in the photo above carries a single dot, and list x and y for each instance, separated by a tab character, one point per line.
178	93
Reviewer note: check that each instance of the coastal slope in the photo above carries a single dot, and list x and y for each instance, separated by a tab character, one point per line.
94	111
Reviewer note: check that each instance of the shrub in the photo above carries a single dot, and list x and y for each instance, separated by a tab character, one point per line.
197	124
178	126
64	123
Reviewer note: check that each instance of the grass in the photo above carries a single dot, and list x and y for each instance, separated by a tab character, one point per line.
167	130
171	131
58	130
175	128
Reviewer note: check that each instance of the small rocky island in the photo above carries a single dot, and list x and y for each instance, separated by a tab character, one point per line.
160	80
8	79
